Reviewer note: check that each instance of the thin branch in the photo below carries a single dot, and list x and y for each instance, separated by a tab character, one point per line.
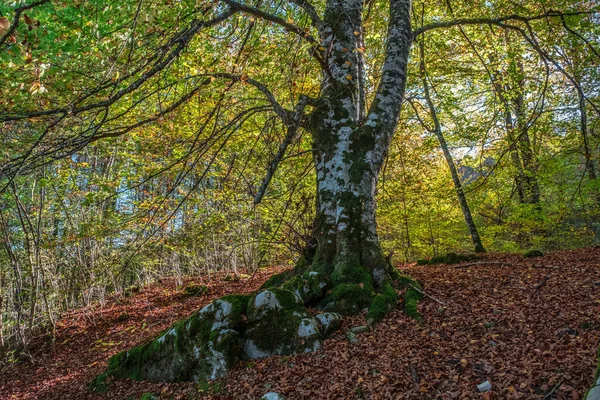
271	18
291	134
495	21
312	13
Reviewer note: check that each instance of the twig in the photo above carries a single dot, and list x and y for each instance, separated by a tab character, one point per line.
428	295
503	263
550	393
483	263
539	286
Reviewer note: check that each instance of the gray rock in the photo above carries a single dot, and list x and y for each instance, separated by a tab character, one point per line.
594	393
484	386
329	322
272	396
359	329
309	287
279	325
351	337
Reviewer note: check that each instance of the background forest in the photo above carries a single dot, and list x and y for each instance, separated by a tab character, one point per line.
163	182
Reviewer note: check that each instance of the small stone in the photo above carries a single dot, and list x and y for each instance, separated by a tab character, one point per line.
329	322
351	337
359	329
492	343
272	396
484	386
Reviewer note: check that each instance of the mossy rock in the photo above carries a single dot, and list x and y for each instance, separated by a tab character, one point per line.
278	279
533	253
329	322
454	258
310	286
204	346
437	260
195	290
411	300
422	261
271	300
278	325
411	297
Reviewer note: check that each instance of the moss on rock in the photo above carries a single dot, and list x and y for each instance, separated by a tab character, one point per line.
310	286
437	260
279	324
533	253
349	298
205	345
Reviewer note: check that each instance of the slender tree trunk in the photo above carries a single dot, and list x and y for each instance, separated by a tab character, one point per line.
530	181
1	312
590	165
437	129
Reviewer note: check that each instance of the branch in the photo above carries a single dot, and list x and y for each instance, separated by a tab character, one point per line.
385	109
176	45
279	110
291	134
17	16
495	21
271	18
317	22
529	38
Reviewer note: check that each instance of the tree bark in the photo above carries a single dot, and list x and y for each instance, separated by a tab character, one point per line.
437	129
351	143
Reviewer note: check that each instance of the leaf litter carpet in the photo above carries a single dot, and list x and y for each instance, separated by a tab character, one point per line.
529	328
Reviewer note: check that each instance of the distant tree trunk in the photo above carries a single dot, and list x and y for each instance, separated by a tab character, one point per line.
514	154
590	165
530	181
437	129
1	311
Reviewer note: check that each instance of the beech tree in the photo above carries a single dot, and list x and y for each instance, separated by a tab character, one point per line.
351	115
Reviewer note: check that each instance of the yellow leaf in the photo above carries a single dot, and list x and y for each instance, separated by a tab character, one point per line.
349	77
348	63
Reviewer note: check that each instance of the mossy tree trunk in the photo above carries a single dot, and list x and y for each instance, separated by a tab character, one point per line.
351	141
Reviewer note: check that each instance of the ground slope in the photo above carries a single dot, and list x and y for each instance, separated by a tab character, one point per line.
529	329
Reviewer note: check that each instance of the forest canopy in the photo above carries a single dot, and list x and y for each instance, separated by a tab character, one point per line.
150	138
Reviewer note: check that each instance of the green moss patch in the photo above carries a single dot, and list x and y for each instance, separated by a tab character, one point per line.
533	253
310	286
382	303
349	298
195	290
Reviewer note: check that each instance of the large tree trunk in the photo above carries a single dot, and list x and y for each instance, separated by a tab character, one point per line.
351	143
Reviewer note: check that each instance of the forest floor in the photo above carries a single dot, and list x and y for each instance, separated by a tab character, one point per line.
529	329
